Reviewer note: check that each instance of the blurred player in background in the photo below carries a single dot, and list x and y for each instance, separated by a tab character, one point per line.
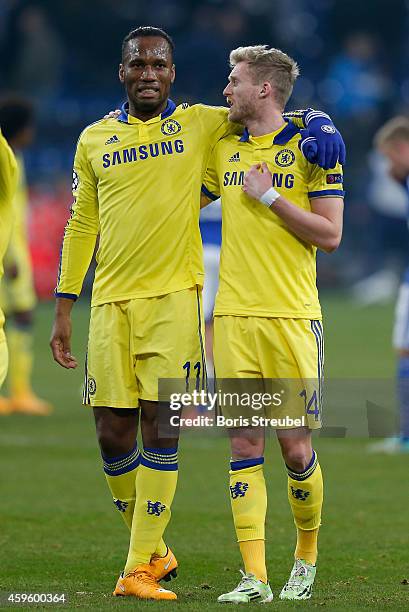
8	180
268	322
17	295
211	232
392	140
136	184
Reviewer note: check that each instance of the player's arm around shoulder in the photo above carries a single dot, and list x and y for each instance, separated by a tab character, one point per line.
320	142
320	226
215	122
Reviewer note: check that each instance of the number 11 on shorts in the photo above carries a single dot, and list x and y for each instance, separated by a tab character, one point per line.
197	368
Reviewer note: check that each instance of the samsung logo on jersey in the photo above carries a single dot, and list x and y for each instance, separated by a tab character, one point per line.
133	154
279	179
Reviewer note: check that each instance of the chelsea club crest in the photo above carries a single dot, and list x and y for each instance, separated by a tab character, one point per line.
285	158
170	127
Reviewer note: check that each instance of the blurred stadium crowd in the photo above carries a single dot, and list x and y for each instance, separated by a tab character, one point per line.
353	57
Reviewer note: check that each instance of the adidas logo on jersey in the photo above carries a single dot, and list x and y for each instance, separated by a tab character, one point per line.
111	140
235	157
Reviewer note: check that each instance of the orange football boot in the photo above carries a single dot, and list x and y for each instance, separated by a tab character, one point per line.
5	406
141	583
164	568
28	403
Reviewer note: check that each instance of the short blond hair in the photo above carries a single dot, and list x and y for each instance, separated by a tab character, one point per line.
269	64
393	130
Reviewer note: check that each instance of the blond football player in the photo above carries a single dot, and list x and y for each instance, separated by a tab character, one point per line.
277	209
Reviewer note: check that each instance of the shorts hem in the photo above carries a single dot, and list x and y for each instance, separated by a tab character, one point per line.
24	307
150	398
163	399
109	404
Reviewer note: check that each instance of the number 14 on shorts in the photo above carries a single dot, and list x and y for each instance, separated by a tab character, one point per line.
311	404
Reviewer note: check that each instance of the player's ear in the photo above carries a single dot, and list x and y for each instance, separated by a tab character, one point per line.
173	73
121	73
265	90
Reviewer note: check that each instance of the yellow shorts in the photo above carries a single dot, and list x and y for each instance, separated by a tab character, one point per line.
17	294
4	357
133	344
286	355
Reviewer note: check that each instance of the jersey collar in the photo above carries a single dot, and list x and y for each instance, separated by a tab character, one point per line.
170	108
283	136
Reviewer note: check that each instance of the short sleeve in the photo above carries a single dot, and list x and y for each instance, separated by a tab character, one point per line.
326	183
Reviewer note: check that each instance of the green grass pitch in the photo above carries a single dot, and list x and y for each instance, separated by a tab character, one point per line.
59	531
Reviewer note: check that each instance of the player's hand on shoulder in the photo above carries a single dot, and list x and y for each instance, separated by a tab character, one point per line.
257	181
113	114
60	342
322	144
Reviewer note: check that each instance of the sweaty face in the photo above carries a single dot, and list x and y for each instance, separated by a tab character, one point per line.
241	94
147	72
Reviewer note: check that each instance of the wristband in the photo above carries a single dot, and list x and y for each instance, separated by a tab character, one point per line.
269	197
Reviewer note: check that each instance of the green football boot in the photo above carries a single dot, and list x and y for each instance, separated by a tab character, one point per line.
249	589
299	585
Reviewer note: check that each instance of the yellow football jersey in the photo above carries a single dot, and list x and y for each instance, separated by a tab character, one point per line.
8	173
18	294
137	184
19	232
265	269
18	246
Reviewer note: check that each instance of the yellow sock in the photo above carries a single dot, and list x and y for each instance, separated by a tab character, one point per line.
161	548
305	494
254	558
120	473
20	343
155	487
307	545
248	498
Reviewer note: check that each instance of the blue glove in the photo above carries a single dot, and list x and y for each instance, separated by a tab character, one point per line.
321	143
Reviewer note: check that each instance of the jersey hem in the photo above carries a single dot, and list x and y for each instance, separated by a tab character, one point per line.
145	294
